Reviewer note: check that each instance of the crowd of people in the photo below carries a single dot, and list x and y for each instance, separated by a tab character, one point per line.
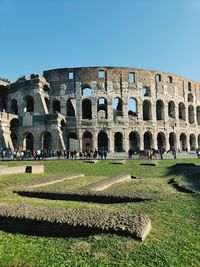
8	154
48	153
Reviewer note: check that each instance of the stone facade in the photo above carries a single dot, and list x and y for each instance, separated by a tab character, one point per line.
108	108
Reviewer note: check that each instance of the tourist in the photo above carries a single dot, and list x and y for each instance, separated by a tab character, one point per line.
105	154
130	154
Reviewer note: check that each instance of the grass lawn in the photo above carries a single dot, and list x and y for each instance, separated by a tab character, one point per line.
173	241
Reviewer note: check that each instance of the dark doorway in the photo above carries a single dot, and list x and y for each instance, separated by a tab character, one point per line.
147	140
102	141
87	143
46	141
29	142
134	141
118	142
86	109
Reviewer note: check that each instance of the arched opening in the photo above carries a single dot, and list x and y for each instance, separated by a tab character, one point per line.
134	141
29	142
87	142
117	105
183	142
192	142
172	141
102	141
102	108
161	142
181	111
146	91
3	98
198	114
29	103
13	137
191	114
87	91
46	141
14	107
86	109
199	141
147	110
171	109
71	107
190	98
14	129
147	140
132	107
46	88
14	123
62	124
159	110
118	139
72	142
56	106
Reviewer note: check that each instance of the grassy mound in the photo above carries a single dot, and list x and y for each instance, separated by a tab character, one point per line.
86	196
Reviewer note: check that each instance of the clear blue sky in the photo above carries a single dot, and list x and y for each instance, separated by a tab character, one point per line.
38	35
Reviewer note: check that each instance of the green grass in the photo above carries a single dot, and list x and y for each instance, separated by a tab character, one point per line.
173	241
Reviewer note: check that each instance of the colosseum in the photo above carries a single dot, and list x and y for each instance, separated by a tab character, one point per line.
112	108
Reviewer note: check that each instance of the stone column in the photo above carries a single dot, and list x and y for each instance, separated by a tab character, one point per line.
63	107
125	111
125	142
186	115
141	145
140	111
153	111
196	141
195	116
79	137
37	138
109	150
154	141
167	145
166	117
78	98
111	138
177	141
188	142
94	108
110	110
95	145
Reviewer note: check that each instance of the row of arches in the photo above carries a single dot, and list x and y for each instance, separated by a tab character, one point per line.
117	105
145	91
28	141
181	141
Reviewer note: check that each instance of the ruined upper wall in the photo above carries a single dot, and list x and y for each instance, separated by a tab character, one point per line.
4	82
27	83
86	75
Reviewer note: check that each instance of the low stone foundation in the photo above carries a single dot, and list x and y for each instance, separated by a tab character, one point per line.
22	169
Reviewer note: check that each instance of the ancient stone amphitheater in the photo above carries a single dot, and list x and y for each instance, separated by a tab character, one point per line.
110	108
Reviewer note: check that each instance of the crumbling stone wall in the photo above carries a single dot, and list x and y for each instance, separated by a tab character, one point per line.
108	108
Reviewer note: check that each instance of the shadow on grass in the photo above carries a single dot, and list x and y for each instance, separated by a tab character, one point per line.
190	173
89	197
50	229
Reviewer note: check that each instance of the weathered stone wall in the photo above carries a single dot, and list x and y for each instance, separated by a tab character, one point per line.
164	112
